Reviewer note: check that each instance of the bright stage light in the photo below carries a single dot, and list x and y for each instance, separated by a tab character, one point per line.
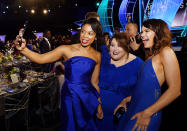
97	4
32	11
45	11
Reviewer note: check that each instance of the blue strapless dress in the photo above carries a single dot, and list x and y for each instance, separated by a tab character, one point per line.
115	84
78	96
146	93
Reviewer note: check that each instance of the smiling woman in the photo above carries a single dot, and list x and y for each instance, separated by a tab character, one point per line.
80	101
118	77
161	66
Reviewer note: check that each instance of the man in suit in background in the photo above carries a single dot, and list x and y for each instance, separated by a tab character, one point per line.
45	46
135	45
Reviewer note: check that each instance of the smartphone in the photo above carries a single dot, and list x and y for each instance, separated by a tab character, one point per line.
119	113
22	31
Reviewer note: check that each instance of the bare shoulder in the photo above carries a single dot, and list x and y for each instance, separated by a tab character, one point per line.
167	54
166	51
132	57
75	46
97	56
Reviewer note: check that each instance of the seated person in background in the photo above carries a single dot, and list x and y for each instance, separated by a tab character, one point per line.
136	46
44	47
58	68
29	44
117	79
44	44
1	55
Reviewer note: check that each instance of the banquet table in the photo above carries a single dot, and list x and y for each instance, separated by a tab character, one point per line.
20	105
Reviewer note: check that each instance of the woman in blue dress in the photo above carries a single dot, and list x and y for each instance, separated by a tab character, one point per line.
118	76
144	112
80	101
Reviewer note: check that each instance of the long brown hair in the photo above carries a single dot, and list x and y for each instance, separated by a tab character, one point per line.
162	35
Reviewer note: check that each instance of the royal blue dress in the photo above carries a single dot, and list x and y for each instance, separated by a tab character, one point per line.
78	97
115	84
105	56
146	93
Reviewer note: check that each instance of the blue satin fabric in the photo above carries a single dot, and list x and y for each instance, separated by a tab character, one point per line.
146	93
115	84
78	97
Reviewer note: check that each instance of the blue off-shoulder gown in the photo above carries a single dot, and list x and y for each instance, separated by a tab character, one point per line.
115	84
146	93
78	96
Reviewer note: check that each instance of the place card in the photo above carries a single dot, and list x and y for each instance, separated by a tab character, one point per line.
14	78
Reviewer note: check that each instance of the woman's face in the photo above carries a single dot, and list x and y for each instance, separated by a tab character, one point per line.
87	35
147	36
116	52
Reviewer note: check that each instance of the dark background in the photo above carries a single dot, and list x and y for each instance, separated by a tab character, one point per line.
63	14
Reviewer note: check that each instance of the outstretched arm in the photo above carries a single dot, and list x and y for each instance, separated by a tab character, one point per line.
48	57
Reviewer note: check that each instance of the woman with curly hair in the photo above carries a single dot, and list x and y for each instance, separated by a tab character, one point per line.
161	65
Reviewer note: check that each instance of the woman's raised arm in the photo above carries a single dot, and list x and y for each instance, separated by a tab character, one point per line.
48	57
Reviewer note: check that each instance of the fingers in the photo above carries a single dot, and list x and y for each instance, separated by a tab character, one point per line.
135	126
139	127
116	109
132	118
100	115
99	112
125	107
132	39
144	128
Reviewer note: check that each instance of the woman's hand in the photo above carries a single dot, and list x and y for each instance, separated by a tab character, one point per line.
123	104
134	46
22	45
99	112
142	122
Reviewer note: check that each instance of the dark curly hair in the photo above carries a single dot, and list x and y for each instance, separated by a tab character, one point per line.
97	28
162	35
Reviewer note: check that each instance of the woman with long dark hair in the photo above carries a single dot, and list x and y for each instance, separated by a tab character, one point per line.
161	65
